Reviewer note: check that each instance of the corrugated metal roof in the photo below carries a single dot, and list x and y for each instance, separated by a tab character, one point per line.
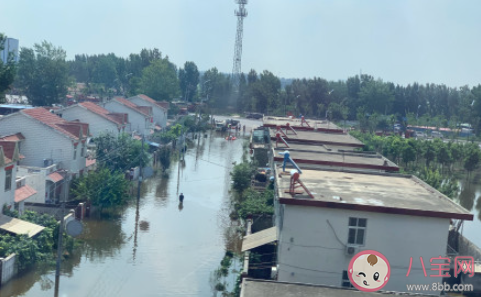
259	238
16	226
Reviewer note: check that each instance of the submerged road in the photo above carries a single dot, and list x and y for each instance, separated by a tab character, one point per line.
158	247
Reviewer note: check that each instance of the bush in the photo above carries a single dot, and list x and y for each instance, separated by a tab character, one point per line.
241	177
256	203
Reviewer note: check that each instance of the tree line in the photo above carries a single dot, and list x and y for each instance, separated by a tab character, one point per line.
44	75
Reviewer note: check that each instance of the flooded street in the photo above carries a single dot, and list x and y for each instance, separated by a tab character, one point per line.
158	248
470	198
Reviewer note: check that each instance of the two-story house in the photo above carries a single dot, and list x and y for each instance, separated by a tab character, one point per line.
49	139
324	218
100	120
9	156
158	108
140	117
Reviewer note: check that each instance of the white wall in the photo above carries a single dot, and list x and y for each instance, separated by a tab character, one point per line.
8	268
36	180
309	252
97	124
160	114
138	122
42	142
7	197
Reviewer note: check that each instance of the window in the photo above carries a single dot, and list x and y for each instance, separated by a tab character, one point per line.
357	231
75	153
82	151
8	180
346	283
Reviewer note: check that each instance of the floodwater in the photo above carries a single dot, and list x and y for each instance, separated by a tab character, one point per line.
158	247
470	198
161	248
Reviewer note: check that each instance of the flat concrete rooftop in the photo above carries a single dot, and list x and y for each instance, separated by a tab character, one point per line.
267	288
316	137
293	146
342	159
270	121
385	193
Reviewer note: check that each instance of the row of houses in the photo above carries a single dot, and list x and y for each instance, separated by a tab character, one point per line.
333	203
42	149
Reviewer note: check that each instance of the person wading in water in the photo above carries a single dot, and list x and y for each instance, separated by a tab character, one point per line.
181	197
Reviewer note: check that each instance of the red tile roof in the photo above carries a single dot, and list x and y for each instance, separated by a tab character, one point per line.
23	193
13	137
55	177
44	116
8	150
122	118
133	106
90	162
158	103
102	112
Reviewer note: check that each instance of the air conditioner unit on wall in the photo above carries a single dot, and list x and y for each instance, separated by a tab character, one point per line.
47	162
351	250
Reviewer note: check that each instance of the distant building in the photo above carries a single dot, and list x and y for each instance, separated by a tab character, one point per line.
11	45
140	117
100	120
159	109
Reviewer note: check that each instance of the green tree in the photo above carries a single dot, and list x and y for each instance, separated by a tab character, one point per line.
7	71
408	153
188	79
120	153
241	177
164	158
43	74
429	152
376	96
159	80
472	158
103	187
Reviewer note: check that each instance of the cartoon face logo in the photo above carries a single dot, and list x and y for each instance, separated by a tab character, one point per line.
369	271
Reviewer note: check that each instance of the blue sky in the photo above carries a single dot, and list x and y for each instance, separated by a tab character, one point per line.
407	41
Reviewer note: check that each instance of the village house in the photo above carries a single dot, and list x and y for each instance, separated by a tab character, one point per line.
100	120
140	117
324	218
48	140
9	156
158	108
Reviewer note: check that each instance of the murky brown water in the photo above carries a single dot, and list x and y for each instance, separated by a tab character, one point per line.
158	248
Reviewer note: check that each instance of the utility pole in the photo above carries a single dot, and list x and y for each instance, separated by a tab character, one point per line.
140	173
60	234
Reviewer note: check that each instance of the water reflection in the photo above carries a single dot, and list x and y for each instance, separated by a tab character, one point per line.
102	238
467	196
181	206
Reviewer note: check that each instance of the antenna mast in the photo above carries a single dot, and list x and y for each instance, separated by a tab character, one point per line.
241	13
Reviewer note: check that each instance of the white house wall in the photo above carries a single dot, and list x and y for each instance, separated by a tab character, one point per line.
7	197
42	142
160	114
309	251
137	121
97	124
36	180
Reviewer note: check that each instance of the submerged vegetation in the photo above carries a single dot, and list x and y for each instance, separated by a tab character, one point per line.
39	249
438	163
